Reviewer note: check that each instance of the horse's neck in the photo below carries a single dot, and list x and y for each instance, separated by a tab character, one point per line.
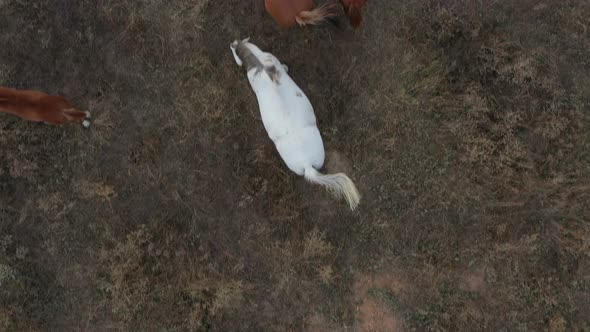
12	107
7	94
8	100
22	112
20	103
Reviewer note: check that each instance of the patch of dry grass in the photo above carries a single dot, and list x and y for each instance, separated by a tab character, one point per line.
462	123
4	74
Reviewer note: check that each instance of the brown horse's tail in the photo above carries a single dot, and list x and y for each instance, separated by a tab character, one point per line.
318	15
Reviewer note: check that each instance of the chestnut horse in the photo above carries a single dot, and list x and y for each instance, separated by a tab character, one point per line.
39	106
288	13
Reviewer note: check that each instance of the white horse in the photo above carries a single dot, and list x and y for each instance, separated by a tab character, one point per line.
289	119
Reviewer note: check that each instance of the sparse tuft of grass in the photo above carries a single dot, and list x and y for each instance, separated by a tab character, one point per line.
386	296
89	190
315	245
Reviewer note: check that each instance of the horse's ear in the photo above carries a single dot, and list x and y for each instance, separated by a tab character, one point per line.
246	40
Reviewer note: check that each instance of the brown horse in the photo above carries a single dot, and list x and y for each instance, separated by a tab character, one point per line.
288	13
39	106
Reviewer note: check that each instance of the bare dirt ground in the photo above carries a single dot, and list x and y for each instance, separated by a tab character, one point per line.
464	124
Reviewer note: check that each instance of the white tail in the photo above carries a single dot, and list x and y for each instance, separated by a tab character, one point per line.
338	184
318	14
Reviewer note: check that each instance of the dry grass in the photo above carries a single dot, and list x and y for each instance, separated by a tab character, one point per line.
463	124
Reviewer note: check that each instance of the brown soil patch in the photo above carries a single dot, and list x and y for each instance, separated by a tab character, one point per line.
373	314
474	281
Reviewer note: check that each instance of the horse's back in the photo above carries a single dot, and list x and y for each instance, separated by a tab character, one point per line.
285	11
283	106
302	149
289	120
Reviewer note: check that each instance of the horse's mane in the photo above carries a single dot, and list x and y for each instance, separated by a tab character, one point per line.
248	57
252	62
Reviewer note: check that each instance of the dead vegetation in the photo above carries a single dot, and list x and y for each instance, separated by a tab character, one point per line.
464	124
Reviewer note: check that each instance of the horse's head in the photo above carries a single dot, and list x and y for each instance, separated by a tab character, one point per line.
233	46
57	110
40	107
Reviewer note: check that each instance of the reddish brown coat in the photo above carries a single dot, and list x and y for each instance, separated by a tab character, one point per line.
288	13
39	106
285	11
353	9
